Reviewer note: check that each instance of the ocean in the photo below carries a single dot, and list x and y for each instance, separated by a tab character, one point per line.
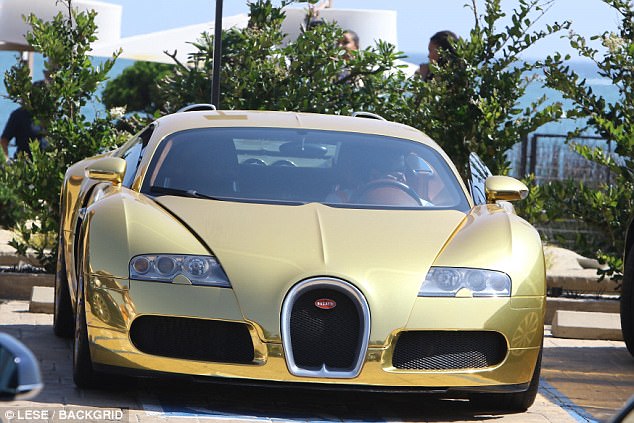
535	90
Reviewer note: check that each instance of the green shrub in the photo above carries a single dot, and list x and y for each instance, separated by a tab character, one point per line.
136	88
472	105
57	107
610	206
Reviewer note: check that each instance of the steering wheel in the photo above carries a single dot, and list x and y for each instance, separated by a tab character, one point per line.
254	161
386	183
284	163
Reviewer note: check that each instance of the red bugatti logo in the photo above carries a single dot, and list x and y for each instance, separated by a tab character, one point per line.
325	304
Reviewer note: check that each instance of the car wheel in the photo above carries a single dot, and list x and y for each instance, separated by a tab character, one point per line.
63	322
627	302
83	373
516	401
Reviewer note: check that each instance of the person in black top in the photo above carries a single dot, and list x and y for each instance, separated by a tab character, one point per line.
442	40
21	127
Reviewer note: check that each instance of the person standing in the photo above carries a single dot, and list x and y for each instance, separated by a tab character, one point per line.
440	41
21	127
350	42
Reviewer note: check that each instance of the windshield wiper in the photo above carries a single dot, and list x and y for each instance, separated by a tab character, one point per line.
180	192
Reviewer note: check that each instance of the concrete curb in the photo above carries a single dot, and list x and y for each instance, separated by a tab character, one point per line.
553	304
587	325
42	300
586	282
19	286
11	259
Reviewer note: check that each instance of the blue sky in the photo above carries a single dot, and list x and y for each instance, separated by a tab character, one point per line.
417	19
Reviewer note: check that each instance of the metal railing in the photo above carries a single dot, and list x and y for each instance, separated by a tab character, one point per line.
550	157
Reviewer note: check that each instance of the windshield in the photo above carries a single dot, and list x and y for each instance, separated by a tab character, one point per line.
296	166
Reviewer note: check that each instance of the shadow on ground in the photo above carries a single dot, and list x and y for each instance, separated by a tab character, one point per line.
600	379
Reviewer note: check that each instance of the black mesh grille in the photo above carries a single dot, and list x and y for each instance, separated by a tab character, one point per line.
193	339
442	350
330	337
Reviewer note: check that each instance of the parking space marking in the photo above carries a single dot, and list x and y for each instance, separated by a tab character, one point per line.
562	401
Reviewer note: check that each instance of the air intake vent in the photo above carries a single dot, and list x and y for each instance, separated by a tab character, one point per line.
193	339
445	350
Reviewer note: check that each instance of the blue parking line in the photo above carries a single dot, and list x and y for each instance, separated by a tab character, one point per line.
556	397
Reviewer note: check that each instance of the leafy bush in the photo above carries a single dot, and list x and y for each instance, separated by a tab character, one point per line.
11	212
591	217
310	74
56	106
610	206
472	105
473	102
136	88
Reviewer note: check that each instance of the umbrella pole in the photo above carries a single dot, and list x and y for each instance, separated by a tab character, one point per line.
27	57
215	78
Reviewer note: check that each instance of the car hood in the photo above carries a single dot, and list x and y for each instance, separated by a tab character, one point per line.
265	249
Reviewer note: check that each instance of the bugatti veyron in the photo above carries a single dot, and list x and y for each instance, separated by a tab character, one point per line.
290	248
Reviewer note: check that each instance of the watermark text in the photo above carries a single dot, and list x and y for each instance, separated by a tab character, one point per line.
63	414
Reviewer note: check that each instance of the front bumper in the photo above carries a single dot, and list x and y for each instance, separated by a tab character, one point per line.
114	304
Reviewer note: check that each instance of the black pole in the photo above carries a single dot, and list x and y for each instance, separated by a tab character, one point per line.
215	78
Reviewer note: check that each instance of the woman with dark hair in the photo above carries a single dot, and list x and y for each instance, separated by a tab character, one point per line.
440	41
350	41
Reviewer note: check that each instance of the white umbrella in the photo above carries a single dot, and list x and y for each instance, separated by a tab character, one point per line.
13	28
153	46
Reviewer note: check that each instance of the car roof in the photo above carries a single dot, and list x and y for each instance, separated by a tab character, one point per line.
274	119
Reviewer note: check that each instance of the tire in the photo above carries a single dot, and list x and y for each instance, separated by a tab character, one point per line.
516	401
63	320
83	373
627	302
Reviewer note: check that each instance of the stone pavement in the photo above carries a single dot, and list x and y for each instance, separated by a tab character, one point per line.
597	376
581	381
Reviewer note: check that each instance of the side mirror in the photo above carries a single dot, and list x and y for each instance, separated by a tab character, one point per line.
107	169
504	188
20	376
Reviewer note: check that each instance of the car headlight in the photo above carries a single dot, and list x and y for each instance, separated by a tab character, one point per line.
447	281
200	270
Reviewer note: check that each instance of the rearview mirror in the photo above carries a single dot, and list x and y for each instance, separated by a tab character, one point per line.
417	164
20	376
504	188
107	169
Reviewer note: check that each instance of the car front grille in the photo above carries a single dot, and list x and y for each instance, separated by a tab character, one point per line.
448	350
193	339
325	337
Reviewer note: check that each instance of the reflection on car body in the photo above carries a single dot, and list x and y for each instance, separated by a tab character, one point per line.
298	248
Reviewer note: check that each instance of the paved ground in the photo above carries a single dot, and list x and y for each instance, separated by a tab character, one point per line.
582	381
597	376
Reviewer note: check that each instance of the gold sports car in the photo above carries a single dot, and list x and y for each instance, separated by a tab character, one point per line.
299	249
